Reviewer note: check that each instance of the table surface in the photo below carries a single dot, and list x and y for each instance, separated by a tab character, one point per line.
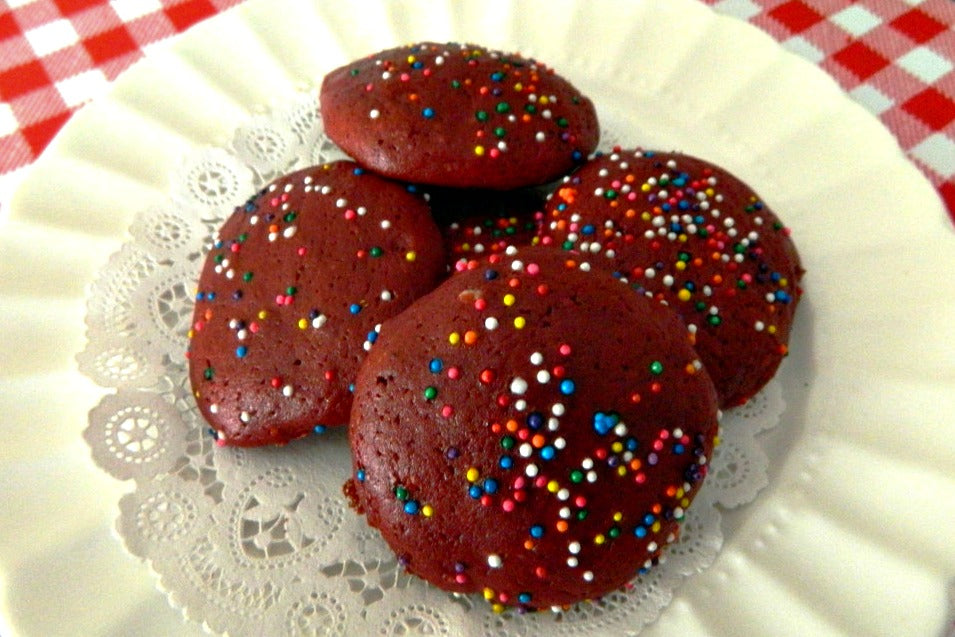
895	57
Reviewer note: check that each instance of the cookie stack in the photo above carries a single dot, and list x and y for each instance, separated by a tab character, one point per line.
532	360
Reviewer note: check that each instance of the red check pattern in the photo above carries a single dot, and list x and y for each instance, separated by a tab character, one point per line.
896	57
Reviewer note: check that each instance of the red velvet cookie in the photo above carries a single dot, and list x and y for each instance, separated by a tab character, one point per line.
530	430
687	232
478	223
291	296
458	115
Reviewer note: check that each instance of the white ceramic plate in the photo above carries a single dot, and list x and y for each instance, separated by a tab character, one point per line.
855	533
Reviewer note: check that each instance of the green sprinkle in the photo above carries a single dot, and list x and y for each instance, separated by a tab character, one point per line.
290	217
507	442
499	131
247	277
430	393
562	122
401	493
291	290
502	107
376	252
481	116
656	368
576	476
208	373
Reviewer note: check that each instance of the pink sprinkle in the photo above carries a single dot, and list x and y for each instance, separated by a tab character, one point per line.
519	482
580	501
234	247
615	183
507	505
405	77
350	214
253	327
284	197
302	251
564	349
461	578
279	298
657	445
494	152
632	196
220	442
369	87
288	300
274	201
540	482
533	268
454	373
447	410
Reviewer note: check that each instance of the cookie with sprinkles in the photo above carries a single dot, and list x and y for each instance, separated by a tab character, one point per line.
476	223
292	294
530	431
458	115
689	233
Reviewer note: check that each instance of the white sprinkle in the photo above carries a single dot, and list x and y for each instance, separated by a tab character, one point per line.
241	334
557	409
588	463
385	224
491	323
287	391
341	202
553	424
620	429
572	562
319	320
564	512
525	450
386	295
518	386
245	417
759	326
374	113
591	476
574	548
214	408
289	232
494	561
531	470
588	576
560	443
362	211
543	376
537	358
563	494
540	136
520	405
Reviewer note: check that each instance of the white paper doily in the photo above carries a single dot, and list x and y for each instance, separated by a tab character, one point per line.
262	541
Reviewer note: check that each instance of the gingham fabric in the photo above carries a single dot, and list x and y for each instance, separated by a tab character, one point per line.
896	57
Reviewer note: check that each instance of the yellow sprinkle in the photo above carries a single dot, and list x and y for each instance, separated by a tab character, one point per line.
479	150
473	474
427	511
680	492
617	447
543	100
621	470
771	329
509	300
488	594
685	502
411	59
709	192
656	527
645	188
784	282
190	333
518	87
454	338
411	255
680	265
684	294
716	441
302	324
617	516
520	322
497	608
682	238
263	314
600	539
552	486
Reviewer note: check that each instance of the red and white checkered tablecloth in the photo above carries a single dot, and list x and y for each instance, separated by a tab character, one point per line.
896	57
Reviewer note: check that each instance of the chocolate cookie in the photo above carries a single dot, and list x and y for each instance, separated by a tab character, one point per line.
458	115
291	296
687	232
530	430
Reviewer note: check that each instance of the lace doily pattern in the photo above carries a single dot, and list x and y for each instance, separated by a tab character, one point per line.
261	541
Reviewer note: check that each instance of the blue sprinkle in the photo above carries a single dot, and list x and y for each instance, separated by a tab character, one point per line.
666	207
632	444
537	531
547	453
241	351
417	65
562	207
648	518
210	296
360	475
567	387
200	296
490	485
351	388
490	275
678	449
524	598
428	112
506	462
475	491
436	365
640	531
782	297
319	429
354	308
588	229
535	420
411	507
577	155
775	277
684	205
497	76
372	336
358	171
